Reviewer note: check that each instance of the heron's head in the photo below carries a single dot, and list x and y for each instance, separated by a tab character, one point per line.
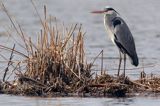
107	11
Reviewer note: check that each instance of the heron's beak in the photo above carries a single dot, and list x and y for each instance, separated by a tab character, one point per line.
98	12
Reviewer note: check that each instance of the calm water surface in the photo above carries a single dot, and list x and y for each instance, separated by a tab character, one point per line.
69	101
141	17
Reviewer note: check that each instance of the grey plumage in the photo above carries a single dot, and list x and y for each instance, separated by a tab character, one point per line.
120	35
124	39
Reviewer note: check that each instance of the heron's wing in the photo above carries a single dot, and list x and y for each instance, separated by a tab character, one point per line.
123	37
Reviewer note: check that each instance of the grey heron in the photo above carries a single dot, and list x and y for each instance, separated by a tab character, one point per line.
120	35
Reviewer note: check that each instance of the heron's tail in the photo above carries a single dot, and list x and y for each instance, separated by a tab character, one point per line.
134	60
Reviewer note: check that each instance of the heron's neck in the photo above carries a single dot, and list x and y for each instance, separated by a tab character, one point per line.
108	24
108	18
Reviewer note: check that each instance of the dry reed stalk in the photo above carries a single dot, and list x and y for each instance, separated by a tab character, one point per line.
9	63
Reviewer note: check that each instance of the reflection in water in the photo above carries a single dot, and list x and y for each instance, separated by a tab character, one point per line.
123	101
70	101
65	101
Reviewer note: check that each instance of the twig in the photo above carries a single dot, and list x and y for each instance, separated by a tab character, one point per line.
37	12
96	58
5	10
139	84
102	63
15	51
14	25
15	68
27	79
9	63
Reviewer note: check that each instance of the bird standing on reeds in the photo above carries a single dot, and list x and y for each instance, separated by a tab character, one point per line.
120	35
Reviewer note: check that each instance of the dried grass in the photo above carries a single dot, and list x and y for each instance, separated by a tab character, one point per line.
55	63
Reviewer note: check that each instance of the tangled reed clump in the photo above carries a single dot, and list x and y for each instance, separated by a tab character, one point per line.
56	63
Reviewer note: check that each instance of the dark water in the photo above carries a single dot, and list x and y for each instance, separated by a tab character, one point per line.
142	16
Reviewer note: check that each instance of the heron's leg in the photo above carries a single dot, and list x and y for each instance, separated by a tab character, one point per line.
120	60
124	64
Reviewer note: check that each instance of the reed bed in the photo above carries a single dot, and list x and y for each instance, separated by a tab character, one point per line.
55	65
56	62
